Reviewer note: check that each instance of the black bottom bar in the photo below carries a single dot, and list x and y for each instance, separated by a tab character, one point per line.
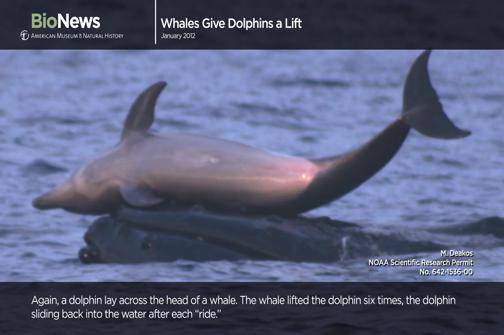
370	308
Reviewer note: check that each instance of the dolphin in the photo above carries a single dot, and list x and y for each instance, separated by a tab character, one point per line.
147	170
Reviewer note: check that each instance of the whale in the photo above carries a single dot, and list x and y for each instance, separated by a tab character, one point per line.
147	170
139	236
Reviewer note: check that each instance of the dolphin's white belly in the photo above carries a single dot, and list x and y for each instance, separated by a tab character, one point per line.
219	172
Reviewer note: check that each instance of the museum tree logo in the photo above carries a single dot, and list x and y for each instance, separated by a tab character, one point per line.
24	35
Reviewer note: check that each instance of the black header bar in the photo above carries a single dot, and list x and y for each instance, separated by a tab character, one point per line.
252	24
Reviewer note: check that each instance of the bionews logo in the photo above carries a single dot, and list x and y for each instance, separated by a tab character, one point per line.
63	21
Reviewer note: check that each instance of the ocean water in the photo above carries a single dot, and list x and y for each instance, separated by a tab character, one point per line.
59	109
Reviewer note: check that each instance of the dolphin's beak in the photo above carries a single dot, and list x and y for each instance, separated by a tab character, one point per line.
43	202
55	198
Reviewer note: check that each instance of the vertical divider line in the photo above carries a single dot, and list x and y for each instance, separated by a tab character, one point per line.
155	22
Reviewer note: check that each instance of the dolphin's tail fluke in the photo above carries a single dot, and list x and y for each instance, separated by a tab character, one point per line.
422	109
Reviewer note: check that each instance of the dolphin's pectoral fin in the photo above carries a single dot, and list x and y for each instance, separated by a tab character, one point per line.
141	114
139	196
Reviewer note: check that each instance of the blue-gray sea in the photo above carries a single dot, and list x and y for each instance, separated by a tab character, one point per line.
59	109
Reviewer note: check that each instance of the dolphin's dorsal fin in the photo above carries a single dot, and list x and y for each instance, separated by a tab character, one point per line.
141	113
